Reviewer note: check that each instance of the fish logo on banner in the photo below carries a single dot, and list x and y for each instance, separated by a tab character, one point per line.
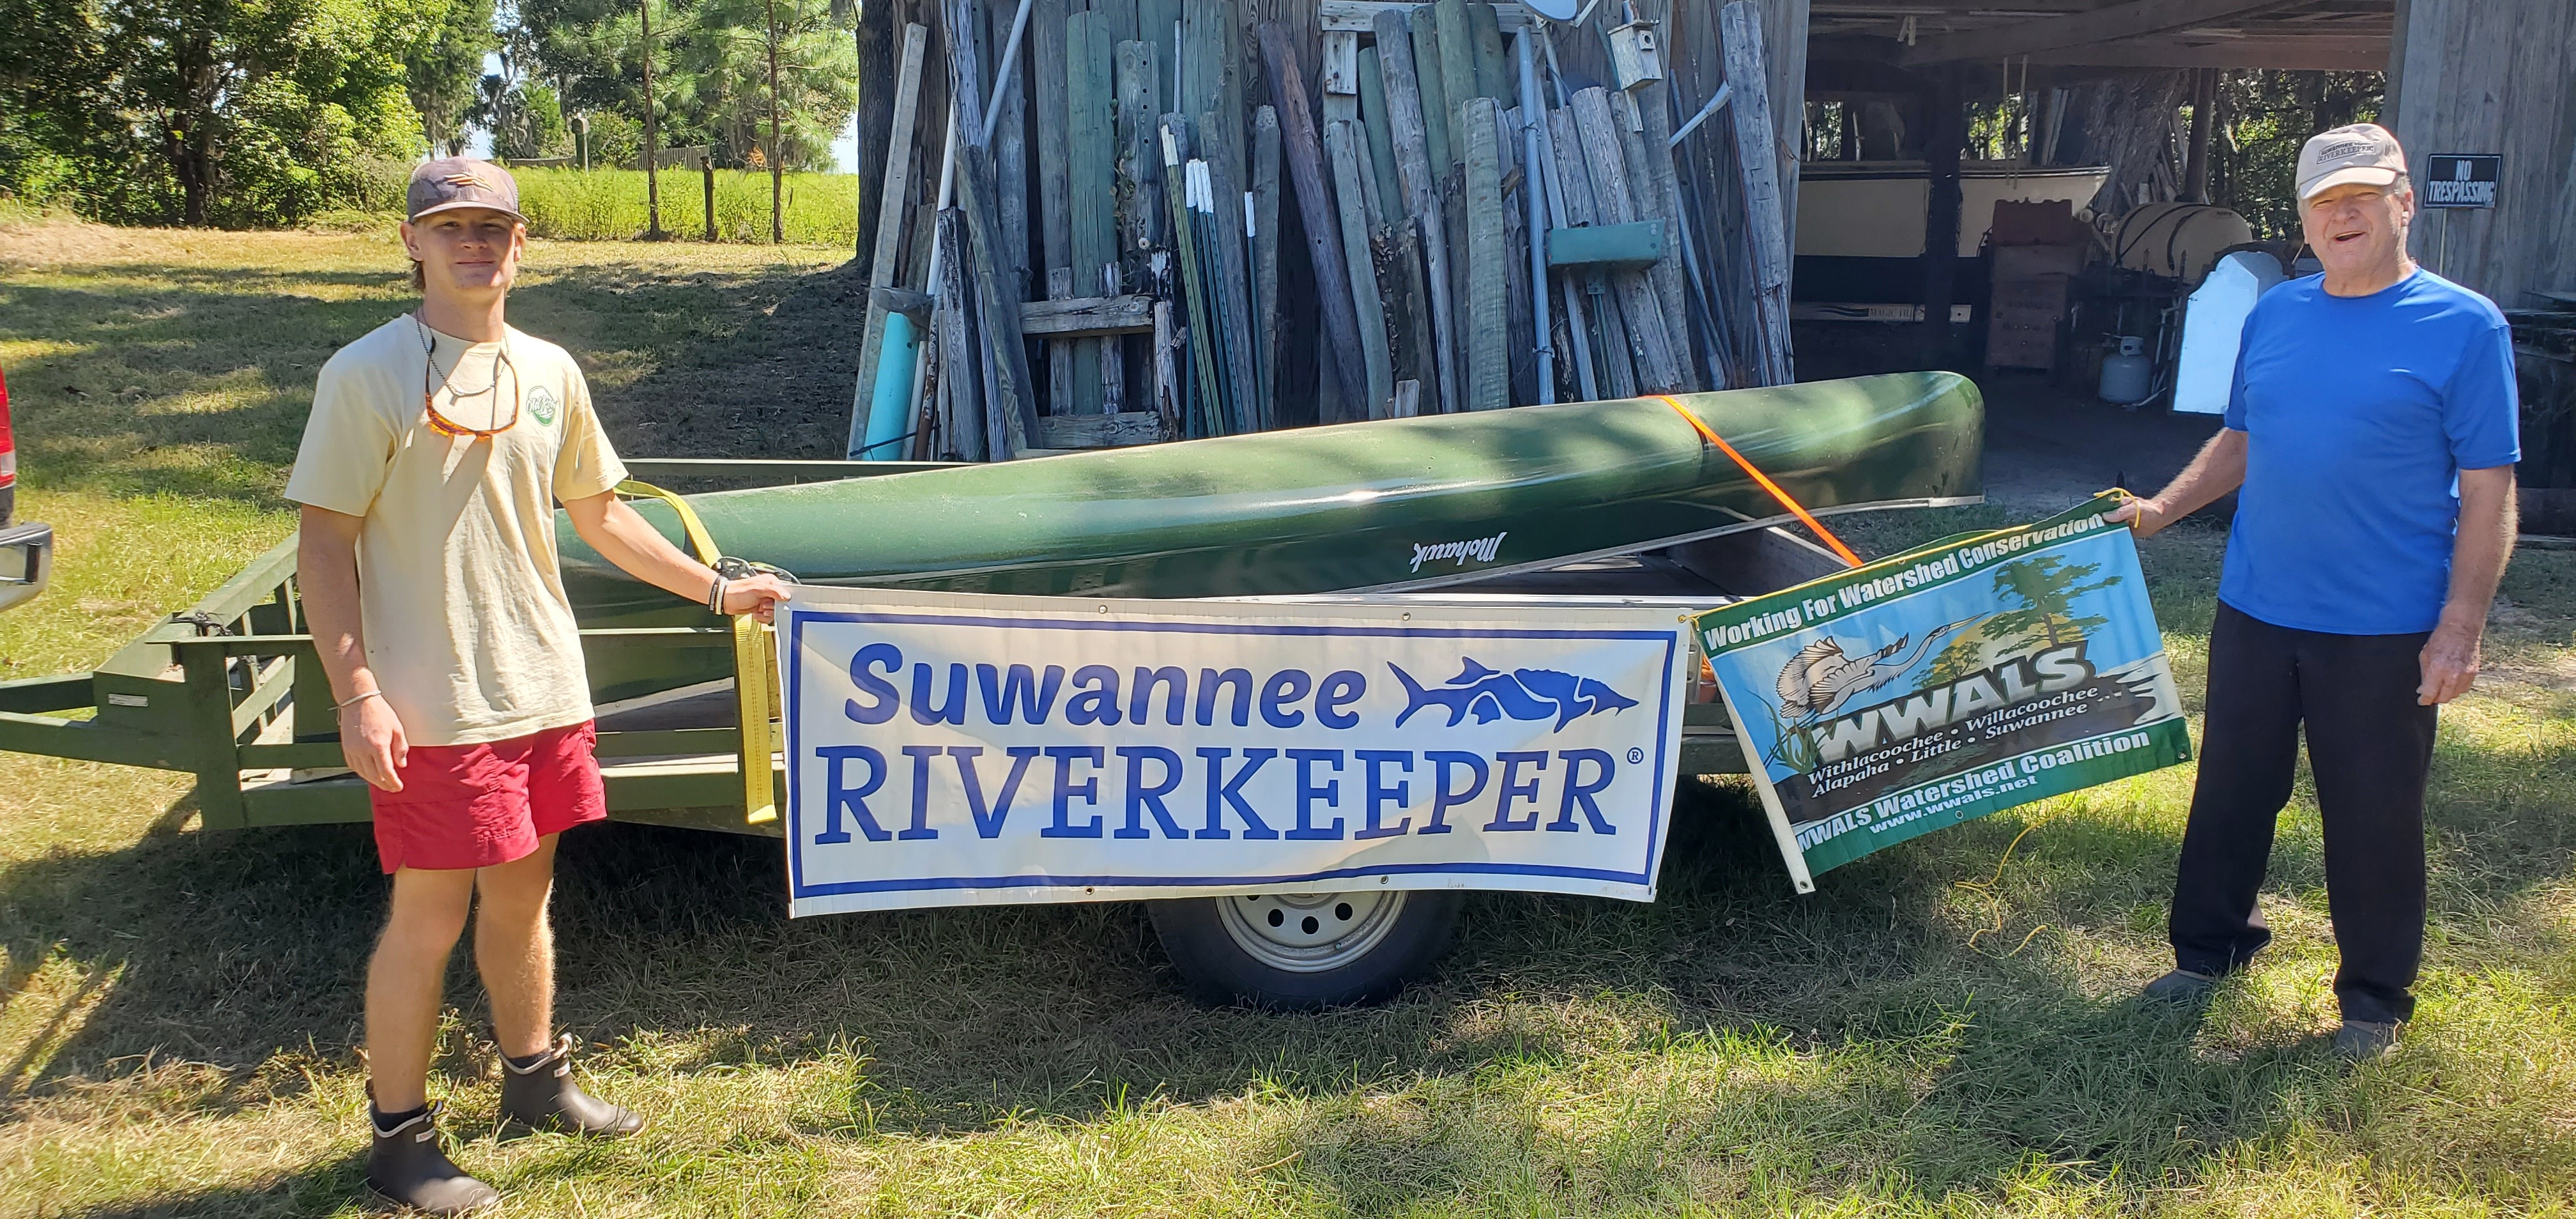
948	749
1523	694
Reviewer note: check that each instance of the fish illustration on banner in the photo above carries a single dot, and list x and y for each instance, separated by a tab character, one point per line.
1947	683
1523	694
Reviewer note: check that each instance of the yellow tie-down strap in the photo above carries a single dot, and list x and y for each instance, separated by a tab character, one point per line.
755	675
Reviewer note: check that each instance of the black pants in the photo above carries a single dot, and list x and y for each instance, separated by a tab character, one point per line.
2369	746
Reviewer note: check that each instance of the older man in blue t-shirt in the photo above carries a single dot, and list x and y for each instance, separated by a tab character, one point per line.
2373	430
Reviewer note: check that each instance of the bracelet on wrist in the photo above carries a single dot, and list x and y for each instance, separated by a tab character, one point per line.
355	699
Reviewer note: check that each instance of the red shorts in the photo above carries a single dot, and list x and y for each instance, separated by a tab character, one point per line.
473	806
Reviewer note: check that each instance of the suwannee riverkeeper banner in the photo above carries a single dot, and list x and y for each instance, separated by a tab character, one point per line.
950	749
1956	680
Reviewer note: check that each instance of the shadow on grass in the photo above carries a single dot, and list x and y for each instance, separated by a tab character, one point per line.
195	382
1856	1018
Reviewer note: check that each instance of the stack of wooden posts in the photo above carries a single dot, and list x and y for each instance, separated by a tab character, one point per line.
1483	210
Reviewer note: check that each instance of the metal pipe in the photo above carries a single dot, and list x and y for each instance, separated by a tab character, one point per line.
1537	224
1578	330
1716	102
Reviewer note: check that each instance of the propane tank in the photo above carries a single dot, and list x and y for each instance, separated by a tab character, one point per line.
2128	377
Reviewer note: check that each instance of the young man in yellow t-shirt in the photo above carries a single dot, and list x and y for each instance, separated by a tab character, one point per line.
438	445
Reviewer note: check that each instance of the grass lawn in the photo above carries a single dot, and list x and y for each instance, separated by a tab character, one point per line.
1941	1030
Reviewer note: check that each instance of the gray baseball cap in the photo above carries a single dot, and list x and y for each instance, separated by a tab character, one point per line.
450	183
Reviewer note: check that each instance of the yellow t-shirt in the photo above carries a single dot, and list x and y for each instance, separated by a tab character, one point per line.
468	629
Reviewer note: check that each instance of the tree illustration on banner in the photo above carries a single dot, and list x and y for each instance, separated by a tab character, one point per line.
2047	588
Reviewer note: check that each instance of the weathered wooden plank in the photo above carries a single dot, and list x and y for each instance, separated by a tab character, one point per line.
1159	22
962	416
1368	304
1047	61
1140	165
1102	431
1010	147
1234	298
1764	209
1381	142
1522	342
1360	16
1407	401
1055	217
1408	304
1458	74
893	197
1613	363
1493	71
1409	129
1208	81
1488	262
1010	396
1612	198
1304	154
1167	375
1091	316
1090	166
1438	111
2108	23
1341	63
1119	18
1140	203
1265	254
1650	199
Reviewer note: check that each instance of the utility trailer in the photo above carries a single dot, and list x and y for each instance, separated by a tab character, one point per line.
229	690
1630	502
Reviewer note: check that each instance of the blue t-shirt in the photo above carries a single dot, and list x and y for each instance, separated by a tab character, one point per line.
2359	414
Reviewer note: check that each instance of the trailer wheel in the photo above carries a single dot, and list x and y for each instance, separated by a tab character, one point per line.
1305	950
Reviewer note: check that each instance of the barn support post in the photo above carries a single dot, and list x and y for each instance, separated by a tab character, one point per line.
1944	136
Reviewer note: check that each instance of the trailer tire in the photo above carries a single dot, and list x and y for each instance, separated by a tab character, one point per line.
1299	952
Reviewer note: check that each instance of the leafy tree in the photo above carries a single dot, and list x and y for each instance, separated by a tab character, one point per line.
721	79
2263	118
443	44
208	111
2047	588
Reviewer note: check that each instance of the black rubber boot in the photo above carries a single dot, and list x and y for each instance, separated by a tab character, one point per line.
409	1168
543	1096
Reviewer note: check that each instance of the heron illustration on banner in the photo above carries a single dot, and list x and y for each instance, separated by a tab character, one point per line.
1822	677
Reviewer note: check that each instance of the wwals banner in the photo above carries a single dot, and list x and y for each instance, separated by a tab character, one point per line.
950	749
1953	681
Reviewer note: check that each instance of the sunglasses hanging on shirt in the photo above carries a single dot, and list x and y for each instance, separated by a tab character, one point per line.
432	381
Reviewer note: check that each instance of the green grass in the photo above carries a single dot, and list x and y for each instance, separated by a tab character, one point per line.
610	204
1941	1030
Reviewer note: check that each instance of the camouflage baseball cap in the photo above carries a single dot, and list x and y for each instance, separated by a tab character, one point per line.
450	183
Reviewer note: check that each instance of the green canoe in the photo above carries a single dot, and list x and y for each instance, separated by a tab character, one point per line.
1395	504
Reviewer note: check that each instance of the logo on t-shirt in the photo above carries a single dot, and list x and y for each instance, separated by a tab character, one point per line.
541	403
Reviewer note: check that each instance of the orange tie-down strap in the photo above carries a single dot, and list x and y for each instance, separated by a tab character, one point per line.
1795	508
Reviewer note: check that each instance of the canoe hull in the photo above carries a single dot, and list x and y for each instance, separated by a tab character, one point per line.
1383	505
